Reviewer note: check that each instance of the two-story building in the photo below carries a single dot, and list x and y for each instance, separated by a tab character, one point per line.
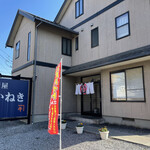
106	43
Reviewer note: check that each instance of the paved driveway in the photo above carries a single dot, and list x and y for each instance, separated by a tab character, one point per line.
19	136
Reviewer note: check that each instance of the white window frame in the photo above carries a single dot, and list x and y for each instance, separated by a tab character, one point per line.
29	46
121	26
126	86
17	50
79	5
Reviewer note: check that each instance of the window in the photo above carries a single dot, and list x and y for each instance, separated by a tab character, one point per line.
29	46
94	37
128	85
77	43
17	50
122	26
66	46
79	8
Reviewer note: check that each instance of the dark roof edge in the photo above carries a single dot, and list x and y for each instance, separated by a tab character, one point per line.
62	7
6	45
56	25
34	18
27	15
19	12
141	52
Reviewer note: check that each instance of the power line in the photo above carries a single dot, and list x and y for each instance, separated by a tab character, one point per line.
9	65
5	52
4	69
8	57
5	62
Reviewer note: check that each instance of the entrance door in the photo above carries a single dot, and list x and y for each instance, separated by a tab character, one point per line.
91	104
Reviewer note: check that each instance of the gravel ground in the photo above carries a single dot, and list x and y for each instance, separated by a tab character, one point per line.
18	136
115	130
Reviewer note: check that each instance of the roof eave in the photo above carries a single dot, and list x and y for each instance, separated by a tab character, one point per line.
10	33
23	14
62	11
117	58
27	15
57	26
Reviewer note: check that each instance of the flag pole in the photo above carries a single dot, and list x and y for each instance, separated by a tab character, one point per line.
61	108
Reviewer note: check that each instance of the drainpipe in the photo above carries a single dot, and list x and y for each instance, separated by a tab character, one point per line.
34	69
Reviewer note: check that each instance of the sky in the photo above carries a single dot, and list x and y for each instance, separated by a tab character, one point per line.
47	9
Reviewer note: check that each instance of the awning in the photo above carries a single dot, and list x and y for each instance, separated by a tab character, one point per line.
130	55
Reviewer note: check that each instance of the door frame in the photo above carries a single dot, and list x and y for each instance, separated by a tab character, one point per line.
82	113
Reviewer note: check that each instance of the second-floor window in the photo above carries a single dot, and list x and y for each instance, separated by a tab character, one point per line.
94	37
77	43
122	26
29	46
66	46
17	50
79	8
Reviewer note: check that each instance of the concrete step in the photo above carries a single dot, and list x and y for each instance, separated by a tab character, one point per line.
86	119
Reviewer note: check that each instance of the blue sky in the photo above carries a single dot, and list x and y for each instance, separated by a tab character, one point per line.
47	9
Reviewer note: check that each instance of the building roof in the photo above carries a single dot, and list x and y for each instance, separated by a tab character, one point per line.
19	16
62	11
121	57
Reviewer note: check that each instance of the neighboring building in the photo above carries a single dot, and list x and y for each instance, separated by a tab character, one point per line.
106	42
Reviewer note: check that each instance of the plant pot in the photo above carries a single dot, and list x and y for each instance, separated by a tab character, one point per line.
63	125
104	135
79	130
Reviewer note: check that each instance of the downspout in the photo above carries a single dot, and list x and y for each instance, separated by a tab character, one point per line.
34	69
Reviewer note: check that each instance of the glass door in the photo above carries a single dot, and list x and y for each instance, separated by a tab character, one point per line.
91	103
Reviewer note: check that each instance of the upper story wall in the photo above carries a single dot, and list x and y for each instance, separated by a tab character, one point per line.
26	26
139	21
90	7
49	48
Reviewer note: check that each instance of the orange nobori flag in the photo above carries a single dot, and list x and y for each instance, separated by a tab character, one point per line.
54	103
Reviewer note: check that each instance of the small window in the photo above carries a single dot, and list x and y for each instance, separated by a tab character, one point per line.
79	8
17	50
128	85
29	46
94	37
66	46
77	43
122	26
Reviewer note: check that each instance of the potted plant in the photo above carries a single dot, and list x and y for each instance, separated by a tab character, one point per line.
63	124
79	128
104	133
